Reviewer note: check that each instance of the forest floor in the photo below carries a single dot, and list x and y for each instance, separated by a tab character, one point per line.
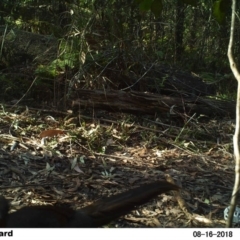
50	157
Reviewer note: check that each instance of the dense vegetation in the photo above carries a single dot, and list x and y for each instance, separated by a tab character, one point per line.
112	44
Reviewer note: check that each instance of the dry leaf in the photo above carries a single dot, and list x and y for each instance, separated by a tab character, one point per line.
51	133
77	169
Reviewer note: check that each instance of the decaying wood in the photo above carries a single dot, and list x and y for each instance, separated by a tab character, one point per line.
148	103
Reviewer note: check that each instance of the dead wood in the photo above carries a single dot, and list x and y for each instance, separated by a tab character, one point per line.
148	103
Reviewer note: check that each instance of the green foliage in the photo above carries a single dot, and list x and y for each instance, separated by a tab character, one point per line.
58	65
156	7
145	5
113	42
47	71
220	8
68	58
208	77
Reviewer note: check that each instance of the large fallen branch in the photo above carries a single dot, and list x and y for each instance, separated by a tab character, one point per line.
138	102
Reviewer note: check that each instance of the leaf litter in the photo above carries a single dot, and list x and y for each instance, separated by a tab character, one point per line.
78	164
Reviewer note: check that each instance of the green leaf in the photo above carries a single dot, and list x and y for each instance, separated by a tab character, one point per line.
206	201
218	12
157	7
145	5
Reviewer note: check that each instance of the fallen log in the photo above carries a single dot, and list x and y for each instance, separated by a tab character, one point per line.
148	103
